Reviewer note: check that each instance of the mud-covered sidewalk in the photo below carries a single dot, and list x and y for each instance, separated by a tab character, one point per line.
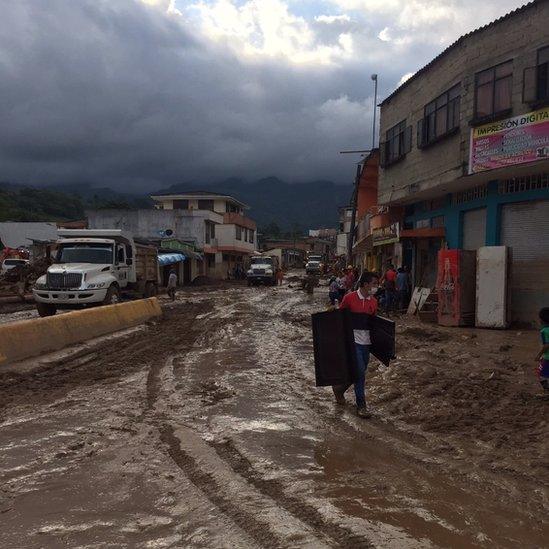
205	429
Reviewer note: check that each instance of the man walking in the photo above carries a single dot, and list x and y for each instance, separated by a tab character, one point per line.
172	284
362	302
389	283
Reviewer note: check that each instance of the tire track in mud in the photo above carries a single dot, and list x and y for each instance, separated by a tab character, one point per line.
258	530
306	513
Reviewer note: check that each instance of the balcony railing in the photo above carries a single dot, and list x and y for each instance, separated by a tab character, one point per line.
238	219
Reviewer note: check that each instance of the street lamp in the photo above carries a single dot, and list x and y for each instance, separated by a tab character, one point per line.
374	78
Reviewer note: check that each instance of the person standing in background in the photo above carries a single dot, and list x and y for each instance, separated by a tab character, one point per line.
389	283
543	354
172	284
402	287
341	285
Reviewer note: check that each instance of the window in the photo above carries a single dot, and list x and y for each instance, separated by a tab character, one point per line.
535	85
440	117
238	232
180	204
543	74
423	223
210	231
493	90
231	208
398	142
251	236
206	205
121	253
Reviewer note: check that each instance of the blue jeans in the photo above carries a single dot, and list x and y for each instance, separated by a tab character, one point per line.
362	359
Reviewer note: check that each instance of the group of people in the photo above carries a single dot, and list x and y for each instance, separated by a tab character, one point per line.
396	288
341	283
394	291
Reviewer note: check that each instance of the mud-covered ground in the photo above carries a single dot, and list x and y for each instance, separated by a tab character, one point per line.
205	429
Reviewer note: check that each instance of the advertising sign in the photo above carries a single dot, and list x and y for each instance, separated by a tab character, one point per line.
386	235
517	140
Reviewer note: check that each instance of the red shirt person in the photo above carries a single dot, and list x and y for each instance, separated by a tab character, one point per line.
362	302
389	279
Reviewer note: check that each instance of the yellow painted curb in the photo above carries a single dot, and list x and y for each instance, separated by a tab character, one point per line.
28	338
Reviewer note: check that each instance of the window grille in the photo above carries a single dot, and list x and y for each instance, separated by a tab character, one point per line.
476	193
525	183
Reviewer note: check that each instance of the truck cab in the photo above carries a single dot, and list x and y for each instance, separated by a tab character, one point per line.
95	267
314	264
262	270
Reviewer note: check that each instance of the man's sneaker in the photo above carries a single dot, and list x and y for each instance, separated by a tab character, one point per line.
363	412
339	396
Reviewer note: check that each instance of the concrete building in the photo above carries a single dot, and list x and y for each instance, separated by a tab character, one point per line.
214	224
465	151
342	239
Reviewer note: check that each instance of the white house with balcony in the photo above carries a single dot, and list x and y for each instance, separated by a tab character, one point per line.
230	236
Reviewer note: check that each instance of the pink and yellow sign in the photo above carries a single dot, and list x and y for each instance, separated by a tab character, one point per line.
517	140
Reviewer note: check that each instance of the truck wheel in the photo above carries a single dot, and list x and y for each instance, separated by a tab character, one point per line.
45	309
113	296
150	289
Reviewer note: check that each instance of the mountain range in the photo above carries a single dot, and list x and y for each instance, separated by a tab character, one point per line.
296	207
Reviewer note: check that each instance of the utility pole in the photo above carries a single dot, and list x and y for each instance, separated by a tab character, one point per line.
374	78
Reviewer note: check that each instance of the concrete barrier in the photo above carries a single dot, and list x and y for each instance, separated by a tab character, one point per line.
28	338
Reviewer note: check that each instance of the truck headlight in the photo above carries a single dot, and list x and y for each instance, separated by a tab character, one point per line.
250	272
96	286
269	271
40	286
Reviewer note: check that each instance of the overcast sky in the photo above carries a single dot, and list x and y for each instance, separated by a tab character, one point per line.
140	94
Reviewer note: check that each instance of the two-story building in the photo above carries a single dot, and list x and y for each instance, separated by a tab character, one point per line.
464	149
229	236
214	224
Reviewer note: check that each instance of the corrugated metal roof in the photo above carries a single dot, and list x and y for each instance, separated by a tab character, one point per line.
17	234
458	42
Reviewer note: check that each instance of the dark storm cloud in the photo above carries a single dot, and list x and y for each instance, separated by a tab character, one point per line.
120	94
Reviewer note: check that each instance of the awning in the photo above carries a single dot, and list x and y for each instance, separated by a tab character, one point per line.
170	259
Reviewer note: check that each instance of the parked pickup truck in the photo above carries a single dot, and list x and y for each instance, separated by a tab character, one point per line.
93	267
314	264
262	270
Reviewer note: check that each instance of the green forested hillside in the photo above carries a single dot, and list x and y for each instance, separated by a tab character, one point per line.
19	203
278	207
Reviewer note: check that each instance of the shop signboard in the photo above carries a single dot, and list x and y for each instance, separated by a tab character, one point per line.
508	142
386	235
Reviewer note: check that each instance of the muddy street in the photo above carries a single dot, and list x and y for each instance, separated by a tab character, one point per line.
205	429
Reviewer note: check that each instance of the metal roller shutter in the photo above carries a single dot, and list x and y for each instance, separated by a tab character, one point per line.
474	229
525	229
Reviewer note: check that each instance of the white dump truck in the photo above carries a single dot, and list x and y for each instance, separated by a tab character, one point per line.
94	267
262	270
